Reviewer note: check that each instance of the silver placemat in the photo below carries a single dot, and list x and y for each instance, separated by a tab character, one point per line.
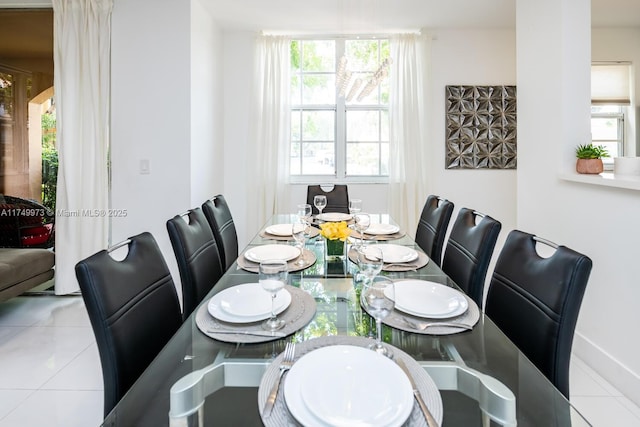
280	416
469	317
308	257
379	237
297	316
420	262
313	232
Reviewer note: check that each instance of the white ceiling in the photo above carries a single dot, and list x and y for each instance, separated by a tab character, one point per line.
345	16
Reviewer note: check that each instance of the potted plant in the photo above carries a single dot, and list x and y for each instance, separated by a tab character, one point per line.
590	158
335	234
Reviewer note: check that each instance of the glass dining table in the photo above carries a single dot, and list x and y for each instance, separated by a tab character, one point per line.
482	377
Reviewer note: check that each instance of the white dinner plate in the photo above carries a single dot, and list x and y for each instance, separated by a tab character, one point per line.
266	252
333	216
382	229
396	253
429	299
279	229
246	303
344	385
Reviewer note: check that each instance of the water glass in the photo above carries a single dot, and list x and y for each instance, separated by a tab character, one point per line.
320	202
370	260
362	221
304	211
355	206
299	231
272	276
378	298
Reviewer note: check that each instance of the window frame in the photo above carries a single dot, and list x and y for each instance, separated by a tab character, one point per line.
620	137
340	109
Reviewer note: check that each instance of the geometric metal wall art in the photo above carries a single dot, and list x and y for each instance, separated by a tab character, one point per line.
481	127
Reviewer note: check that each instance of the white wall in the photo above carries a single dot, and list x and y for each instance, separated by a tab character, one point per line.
207	148
553	51
472	57
164	64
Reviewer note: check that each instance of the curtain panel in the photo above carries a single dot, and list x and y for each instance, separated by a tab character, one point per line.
408	121
82	37
270	120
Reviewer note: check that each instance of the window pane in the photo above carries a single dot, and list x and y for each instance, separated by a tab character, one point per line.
604	128
362	55
319	89
362	126
296	92
294	165
599	109
384	159
363	158
318	126
318	159
612	149
318	55
295	125
384	126
6	95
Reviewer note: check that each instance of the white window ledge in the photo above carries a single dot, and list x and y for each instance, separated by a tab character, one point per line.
607	179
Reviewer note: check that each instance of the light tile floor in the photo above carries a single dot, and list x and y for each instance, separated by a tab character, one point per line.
50	370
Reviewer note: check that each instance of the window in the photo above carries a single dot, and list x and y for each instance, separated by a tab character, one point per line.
607	129
610	101
339	131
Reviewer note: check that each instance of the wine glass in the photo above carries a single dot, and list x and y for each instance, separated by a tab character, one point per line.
320	202
355	206
304	211
272	276
370	259
378	298
299	233
362	221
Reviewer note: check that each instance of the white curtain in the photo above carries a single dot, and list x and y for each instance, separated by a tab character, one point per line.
81	83
269	132
408	120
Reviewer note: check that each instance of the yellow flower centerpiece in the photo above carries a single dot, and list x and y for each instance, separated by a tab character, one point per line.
335	234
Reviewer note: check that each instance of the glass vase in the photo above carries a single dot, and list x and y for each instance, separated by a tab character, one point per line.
334	250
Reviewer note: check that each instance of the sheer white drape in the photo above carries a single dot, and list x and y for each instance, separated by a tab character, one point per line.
408	121
270	130
81	82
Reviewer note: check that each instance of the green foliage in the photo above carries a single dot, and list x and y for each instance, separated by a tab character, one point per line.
590	151
49	162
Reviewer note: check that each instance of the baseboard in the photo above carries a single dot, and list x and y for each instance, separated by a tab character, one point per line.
617	374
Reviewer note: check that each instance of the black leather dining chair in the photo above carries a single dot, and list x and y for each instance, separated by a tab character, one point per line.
133	308
221	222
337	198
432	226
468	251
535	301
197	255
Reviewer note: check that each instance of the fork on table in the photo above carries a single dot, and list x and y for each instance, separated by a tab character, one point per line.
421	326
288	357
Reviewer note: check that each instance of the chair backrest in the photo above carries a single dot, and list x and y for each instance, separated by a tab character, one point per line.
468	252
197	255
133	308
432	227
220	219
535	301
337	198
